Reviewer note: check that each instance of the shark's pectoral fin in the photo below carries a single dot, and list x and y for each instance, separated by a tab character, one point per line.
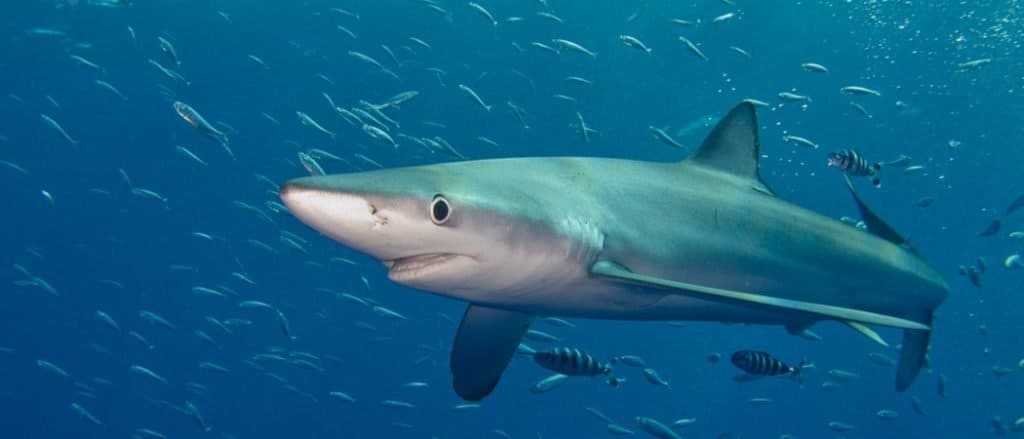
484	344
615	271
912	356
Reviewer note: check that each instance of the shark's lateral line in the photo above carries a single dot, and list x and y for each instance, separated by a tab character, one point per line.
702	239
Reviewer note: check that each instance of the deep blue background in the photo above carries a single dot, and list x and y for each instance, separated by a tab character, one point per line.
908	53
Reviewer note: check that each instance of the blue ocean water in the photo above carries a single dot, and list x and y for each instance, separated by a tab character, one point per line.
101	247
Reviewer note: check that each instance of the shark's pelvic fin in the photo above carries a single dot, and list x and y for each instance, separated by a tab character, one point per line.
733	146
484	344
912	356
875	224
616	271
867	332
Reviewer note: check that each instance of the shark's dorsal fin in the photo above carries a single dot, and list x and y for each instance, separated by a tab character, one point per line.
733	146
875	224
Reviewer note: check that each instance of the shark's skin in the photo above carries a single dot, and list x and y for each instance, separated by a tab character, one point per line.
523	235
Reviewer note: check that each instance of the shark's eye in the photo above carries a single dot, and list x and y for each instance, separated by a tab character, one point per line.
440	210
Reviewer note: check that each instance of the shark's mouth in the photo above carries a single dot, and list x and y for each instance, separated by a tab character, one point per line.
415	266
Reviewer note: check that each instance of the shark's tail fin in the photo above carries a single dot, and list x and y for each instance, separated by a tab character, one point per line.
912	355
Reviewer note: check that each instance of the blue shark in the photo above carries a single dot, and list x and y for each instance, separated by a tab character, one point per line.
704	239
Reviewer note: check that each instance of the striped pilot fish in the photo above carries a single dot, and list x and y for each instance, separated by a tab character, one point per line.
762	364
573	362
851	163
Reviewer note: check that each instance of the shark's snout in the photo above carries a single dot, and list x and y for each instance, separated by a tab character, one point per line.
348	218
316	204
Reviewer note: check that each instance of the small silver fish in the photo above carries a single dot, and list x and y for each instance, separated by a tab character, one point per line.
484	12
473	95
550	383
85	414
573	46
310	164
693	48
141	370
285	326
631	41
858	90
107	320
655	428
58	128
663	137
308	121
814	67
652	376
